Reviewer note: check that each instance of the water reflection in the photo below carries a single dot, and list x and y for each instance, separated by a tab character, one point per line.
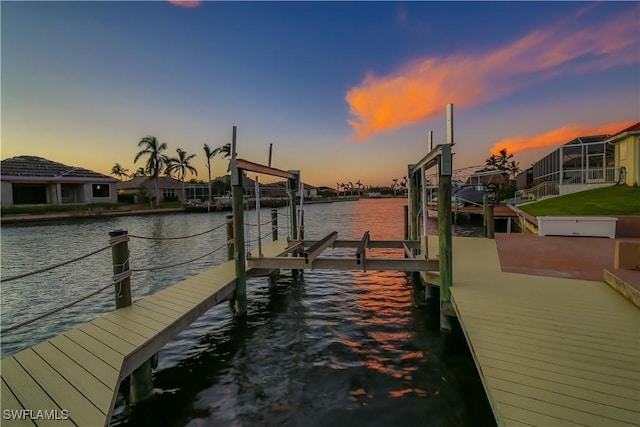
333	348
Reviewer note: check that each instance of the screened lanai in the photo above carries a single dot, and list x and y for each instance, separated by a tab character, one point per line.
587	159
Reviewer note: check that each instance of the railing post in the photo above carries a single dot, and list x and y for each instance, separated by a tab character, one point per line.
230	245
140	380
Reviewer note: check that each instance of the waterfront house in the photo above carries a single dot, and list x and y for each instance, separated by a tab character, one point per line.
583	160
627	154
31	180
144	188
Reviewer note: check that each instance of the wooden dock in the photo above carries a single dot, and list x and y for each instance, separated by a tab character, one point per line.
73	378
550	351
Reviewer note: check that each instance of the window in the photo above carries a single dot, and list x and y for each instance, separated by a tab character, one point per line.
100	190
623	150
168	193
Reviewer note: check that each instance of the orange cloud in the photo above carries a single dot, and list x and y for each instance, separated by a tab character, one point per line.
186	3
556	137
419	90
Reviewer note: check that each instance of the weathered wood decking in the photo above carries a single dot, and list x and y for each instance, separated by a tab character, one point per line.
550	351
80	370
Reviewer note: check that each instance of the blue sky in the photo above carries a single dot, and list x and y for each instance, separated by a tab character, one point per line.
344	91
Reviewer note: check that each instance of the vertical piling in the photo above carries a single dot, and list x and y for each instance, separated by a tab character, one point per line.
140	380
274	224
237	203
293	184
273	276
406	222
491	225
120	256
445	228
414	229
230	245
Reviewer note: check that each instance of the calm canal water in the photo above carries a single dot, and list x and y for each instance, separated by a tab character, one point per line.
329	349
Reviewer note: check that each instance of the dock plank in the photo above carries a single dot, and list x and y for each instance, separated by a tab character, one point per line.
9	402
95	347
81	410
28	392
550	351
84	381
113	341
107	374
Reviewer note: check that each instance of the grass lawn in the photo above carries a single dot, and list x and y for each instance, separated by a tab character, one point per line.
617	200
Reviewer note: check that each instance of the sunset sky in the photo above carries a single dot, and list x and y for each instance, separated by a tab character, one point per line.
344	91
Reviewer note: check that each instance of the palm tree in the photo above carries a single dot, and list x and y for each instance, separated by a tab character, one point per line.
119	171
139	172
350	188
155	163
180	165
394	186
210	154
359	184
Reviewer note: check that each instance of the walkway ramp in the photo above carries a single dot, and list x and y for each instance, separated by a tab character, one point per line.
73	378
550	351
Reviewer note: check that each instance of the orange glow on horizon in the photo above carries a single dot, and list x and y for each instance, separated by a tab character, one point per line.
555	137
419	90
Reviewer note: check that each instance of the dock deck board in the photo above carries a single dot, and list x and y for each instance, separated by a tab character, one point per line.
80	370
549	350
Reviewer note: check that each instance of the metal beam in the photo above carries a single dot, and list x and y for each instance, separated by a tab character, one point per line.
428	161
373	244
266	170
407	251
315	250
378	264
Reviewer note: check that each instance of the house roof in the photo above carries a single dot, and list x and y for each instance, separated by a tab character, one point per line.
38	168
631	130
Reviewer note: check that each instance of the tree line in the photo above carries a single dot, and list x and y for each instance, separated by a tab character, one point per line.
158	163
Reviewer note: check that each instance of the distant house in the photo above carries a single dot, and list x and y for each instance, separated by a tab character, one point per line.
31	180
485	176
627	154
145	188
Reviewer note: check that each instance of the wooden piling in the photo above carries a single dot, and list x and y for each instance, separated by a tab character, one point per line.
140	380
491	225
120	256
237	203
273	276
445	228
406	222
293	184
274	224
414	229
230	245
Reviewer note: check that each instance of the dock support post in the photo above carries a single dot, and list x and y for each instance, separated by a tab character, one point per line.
414	199
140	380
491	225
293	185
274	224
406	222
237	203
273	277
445	228
230	245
